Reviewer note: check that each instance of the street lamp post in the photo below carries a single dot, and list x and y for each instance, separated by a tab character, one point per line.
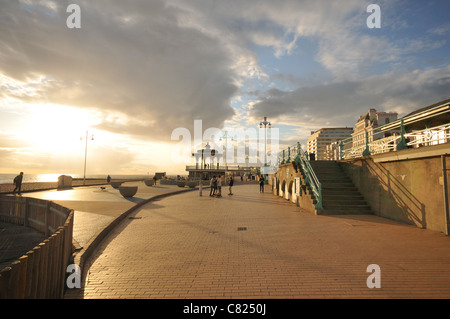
265	124
225	137
85	154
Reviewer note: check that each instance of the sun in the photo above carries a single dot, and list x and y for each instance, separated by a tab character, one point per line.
55	128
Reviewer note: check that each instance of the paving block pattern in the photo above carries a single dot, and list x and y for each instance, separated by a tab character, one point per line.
256	245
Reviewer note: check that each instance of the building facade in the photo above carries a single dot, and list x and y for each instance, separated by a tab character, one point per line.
370	121
321	139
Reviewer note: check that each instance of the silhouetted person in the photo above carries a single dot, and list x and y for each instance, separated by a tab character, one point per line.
219	186
108	179
261	184
18	183
231	185
212	184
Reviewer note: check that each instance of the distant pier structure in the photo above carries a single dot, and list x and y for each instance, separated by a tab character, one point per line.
209	162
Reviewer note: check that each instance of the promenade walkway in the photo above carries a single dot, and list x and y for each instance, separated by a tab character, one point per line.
95	209
256	245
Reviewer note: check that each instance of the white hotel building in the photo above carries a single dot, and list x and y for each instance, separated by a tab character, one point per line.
320	139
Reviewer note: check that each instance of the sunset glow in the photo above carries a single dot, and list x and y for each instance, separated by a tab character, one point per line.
131	79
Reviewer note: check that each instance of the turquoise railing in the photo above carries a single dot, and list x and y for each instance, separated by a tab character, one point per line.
296	154
394	136
404	133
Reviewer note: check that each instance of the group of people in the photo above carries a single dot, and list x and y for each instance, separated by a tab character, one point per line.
216	186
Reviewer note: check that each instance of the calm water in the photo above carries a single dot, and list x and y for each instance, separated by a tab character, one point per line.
38	178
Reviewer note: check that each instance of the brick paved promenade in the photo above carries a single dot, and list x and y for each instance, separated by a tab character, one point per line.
253	245
96	209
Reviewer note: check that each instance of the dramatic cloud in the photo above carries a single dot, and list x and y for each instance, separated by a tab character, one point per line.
136	70
133	59
330	104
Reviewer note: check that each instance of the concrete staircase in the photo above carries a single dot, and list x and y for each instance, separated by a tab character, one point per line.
339	194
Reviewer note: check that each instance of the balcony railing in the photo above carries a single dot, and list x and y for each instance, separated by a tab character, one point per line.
401	134
218	167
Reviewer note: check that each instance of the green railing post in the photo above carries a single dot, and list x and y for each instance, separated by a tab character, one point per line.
319	198
301	160
341	152
366	152
402	144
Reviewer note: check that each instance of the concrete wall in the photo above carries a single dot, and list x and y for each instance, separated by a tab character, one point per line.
408	190
285	180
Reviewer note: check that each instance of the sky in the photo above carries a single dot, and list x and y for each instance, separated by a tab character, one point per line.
135	71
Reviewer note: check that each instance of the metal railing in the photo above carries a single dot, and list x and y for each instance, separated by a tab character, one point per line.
296	154
215	167
399	135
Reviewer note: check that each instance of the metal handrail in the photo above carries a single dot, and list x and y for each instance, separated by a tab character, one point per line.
398	138
311	178
216	167
301	159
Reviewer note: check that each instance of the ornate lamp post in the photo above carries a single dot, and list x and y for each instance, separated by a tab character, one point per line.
85	154
265	124
225	137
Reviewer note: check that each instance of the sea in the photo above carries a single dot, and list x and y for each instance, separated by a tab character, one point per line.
39	178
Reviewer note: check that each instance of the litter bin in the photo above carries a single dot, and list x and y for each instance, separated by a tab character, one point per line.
64	181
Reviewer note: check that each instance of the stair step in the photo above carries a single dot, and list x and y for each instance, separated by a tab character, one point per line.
344	212
325	163
347	207
332	177
340	196
339	189
337	184
332	182
327	170
344	202
345	196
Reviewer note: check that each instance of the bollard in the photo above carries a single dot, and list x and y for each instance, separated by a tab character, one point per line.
200	187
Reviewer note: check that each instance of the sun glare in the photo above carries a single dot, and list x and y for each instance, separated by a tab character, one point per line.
56	128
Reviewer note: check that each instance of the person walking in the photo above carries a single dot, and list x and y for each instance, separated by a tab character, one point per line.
261	184
219	186
18	182
211	185
230	184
